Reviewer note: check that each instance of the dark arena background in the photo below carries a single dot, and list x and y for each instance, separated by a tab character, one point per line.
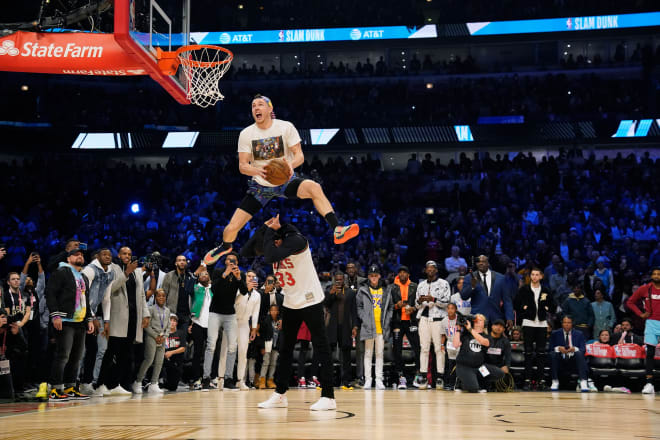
499	159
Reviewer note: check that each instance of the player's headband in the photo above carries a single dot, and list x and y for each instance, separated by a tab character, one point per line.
265	98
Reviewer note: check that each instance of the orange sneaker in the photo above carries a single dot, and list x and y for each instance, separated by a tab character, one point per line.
214	255
345	233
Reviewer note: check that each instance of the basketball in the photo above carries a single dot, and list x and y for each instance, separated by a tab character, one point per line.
277	172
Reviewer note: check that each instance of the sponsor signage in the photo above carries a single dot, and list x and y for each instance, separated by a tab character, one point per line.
66	53
565	24
293	35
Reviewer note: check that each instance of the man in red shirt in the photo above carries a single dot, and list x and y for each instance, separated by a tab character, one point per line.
649	295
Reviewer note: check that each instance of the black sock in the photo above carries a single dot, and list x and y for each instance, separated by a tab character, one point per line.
226	245
331	218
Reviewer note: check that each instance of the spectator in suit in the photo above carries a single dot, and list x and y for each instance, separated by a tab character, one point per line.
486	290
567	348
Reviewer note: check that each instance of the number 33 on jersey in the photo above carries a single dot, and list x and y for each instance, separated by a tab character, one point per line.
299	281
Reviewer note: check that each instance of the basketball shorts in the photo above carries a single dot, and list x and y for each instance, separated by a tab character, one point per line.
258	196
652	332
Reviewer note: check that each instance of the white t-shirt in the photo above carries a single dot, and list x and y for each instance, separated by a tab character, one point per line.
247	306
300	283
535	322
272	143
448	328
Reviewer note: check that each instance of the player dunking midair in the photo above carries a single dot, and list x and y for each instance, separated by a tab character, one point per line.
287	250
269	138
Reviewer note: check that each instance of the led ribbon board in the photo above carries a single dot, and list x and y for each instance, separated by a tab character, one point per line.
566	24
296	35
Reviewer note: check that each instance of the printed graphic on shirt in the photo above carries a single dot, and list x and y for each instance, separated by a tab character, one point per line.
172	342
81	308
475	346
268	148
285	278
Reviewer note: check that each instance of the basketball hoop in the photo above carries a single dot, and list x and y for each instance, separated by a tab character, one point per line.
203	66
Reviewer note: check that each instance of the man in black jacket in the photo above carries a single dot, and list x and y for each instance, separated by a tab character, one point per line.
533	304
353	281
288	251
270	295
342	322
404	322
225	285
68	302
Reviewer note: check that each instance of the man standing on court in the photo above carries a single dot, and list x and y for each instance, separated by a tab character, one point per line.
649	294
67	298
267	139
288	251
486	290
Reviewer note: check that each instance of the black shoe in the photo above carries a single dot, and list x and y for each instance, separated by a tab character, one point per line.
206	384
230	385
423	383
438	383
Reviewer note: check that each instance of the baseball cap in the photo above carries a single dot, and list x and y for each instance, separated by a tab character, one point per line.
499	322
403	268
432	263
173	315
374	269
73	251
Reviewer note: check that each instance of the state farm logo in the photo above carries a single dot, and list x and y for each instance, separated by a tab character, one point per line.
8	48
36	50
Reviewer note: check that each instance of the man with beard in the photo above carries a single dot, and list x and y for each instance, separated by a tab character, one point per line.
486	290
649	295
404	321
68	301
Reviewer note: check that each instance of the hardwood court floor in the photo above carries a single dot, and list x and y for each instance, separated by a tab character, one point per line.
391	414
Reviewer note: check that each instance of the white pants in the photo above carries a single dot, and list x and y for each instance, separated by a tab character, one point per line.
243	342
379	342
429	331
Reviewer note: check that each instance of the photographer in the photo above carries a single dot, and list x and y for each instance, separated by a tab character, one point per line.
225	285
13	348
473	342
270	295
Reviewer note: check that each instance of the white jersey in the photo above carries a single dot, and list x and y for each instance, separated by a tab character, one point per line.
247	306
272	143
300	283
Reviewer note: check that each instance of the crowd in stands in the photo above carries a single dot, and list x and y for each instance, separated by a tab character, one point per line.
589	225
373	103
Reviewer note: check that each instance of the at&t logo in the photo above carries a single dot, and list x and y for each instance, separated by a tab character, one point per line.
8	48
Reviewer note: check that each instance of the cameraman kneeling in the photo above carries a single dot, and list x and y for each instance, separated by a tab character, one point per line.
473	342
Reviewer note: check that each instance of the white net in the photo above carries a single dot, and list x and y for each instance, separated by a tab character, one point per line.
203	67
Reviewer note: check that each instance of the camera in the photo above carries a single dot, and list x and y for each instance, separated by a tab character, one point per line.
151	261
462	320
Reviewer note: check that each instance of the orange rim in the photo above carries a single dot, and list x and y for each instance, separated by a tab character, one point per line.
228	58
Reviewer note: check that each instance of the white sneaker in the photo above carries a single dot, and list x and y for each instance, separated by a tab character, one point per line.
584	386
648	389
87	388
482	391
155	389
220	383
275	401
592	386
241	386
101	391
137	388
379	384
367	384
554	386
118	391
324	404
